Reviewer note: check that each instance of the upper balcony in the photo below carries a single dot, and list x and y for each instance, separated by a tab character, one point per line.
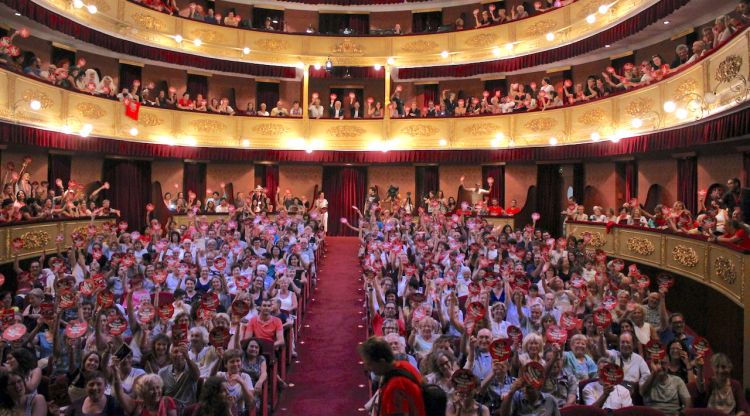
549	30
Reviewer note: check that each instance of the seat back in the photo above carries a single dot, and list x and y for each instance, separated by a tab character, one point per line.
638	411
582	410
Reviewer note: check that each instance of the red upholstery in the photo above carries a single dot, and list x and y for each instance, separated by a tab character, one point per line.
702	412
582	410
638	411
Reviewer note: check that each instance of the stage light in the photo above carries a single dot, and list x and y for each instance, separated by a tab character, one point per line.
591	19
178	38
550	36
35	105
245	51
509	46
245	143
329	64
78	4
197	43
670	106
444	54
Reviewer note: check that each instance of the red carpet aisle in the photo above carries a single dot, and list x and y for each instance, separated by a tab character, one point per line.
328	377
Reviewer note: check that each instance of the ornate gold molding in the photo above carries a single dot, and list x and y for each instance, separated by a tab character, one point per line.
30	95
89	110
597	239
420	130
642	246
541	124
728	69
593	117
207	126
725	270
270	129
348	132
685	255
348	47
639	106
419	46
34	240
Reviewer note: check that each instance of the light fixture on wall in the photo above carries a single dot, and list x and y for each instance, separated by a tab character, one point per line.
329	64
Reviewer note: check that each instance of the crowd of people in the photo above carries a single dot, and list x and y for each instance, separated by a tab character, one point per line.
163	319
471	319
25	199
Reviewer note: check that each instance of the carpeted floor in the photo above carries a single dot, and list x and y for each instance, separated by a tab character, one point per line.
329	380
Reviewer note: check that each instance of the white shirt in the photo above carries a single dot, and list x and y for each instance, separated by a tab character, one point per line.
619	398
635	368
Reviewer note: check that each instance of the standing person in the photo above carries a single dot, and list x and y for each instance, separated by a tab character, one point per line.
400	391
321	204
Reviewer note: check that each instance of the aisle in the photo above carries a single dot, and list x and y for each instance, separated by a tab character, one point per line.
328	377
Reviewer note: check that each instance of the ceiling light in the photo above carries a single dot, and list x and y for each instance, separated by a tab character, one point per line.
35	105
377	67
603	8
666	22
245	143
178	38
681	113
246	50
443	142
670	106
134	131
550	36
595	137
591	19
78	4
553	141
637	123
390	61
509	46
496	51
86	130
92	9
197	42
444	54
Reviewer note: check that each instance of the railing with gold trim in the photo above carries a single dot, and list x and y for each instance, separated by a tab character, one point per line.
723	74
722	267
38	236
142	24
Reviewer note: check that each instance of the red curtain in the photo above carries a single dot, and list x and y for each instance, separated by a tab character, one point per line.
709	131
687	183
631	180
272	181
89	35
430	93
549	198
624	29
194	179
58	166
266	92
496	172
344	187
130	189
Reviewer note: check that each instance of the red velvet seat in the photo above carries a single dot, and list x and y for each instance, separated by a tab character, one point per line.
638	411
701	411
582	410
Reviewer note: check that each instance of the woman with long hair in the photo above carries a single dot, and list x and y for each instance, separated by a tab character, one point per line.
720	392
214	400
14	400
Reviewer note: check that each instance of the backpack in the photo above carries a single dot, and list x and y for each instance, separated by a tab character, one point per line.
434	398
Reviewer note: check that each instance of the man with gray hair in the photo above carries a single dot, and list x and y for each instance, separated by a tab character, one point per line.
683	54
699	49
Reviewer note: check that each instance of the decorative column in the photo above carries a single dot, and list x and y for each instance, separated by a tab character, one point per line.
387	98
305	92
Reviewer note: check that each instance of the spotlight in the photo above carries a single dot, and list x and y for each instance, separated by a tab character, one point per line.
553	141
637	123
245	51
134	131
444	54
603	8
35	105
197	43
550	36
377	67
670	106
178	38
591	19
92	9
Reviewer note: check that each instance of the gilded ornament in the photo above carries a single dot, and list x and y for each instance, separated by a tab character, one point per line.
207	35
685	91
30	95
270	45
685	255
34	240
642	246
481	129
207	126
270	129
419	46
420	130
725	270
89	110
592	117
347	132
597	239
146	21
541	124
348	47
540	28
728	69
639	106
150	119
101	6
482	40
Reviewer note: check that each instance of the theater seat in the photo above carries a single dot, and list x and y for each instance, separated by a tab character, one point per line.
702	412
582	410
638	411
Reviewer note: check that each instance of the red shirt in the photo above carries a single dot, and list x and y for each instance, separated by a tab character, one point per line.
185	103
264	329
513	210
396	395
377	326
744	241
496	211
